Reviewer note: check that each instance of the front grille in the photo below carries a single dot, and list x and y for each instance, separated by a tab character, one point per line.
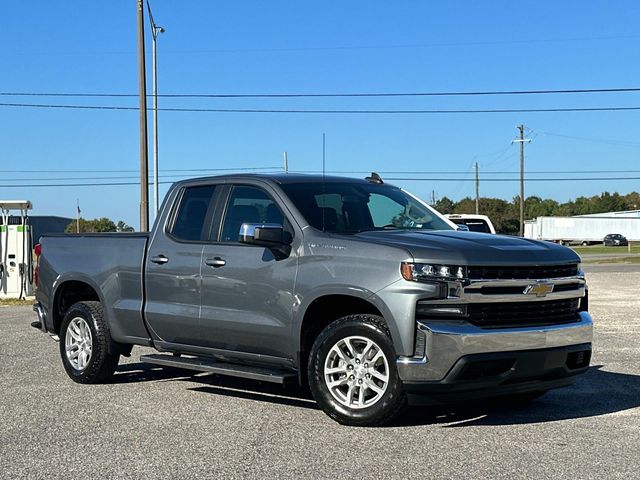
489	290
523	314
531	272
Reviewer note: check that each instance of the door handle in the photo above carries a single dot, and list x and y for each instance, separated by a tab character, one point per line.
216	262
159	259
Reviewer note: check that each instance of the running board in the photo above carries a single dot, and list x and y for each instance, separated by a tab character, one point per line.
201	364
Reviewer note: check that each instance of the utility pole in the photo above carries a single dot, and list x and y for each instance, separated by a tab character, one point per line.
77	215
521	141
155	31
477	190
144	155
286	163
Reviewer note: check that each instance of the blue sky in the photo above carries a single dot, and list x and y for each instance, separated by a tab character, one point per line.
319	47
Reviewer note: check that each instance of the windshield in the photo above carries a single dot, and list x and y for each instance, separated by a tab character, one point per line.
357	207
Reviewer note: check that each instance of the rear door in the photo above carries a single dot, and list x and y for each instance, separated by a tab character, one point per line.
247	293
173	276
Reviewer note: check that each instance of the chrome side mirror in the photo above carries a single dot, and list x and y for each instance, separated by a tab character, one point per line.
264	234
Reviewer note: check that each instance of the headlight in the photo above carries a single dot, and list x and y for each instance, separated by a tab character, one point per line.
418	272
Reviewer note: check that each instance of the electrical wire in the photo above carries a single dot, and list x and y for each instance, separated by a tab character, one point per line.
350	47
279	170
324	95
621	143
552	179
330	112
238	169
571	179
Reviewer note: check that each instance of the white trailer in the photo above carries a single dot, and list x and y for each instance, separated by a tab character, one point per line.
581	230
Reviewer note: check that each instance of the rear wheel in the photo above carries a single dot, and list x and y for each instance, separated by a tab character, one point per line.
352	372
88	353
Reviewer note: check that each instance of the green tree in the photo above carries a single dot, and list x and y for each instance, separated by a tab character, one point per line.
632	201
123	227
444	205
537	207
503	215
92	226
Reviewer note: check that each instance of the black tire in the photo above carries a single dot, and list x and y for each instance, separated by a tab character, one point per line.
389	404
105	353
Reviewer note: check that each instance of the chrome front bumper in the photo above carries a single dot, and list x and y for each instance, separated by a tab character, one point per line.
447	342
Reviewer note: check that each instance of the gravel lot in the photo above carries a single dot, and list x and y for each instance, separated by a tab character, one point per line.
154	423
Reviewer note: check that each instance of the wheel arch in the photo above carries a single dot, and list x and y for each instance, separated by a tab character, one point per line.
328	307
70	290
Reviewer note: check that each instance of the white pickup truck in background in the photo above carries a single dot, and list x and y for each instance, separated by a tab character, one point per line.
475	223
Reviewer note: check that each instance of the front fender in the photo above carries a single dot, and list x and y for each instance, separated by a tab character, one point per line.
302	303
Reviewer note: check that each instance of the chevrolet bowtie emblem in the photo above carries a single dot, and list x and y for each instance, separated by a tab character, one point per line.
539	289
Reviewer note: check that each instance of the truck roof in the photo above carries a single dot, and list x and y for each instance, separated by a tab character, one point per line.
282	178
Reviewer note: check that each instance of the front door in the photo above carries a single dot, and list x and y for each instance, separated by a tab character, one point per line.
247	293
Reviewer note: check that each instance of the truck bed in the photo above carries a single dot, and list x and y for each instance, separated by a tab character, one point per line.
112	263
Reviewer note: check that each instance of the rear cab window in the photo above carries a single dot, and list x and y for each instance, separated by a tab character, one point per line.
475	225
192	215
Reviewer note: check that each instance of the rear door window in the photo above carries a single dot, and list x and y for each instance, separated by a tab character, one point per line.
192	215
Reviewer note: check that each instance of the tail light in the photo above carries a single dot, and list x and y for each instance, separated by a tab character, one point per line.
36	271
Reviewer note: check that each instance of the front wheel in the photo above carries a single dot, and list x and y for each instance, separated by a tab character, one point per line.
88	353
352	372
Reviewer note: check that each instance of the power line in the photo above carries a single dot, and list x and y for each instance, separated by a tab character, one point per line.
404	46
345	47
109	184
501	157
238	169
570	179
276	169
330	112
324	95
406	179
621	143
117	177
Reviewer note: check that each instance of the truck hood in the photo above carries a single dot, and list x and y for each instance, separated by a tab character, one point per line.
471	248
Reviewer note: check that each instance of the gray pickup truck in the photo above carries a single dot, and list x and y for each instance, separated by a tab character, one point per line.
351	286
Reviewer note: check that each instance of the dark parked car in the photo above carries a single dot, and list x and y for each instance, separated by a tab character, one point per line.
615	240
